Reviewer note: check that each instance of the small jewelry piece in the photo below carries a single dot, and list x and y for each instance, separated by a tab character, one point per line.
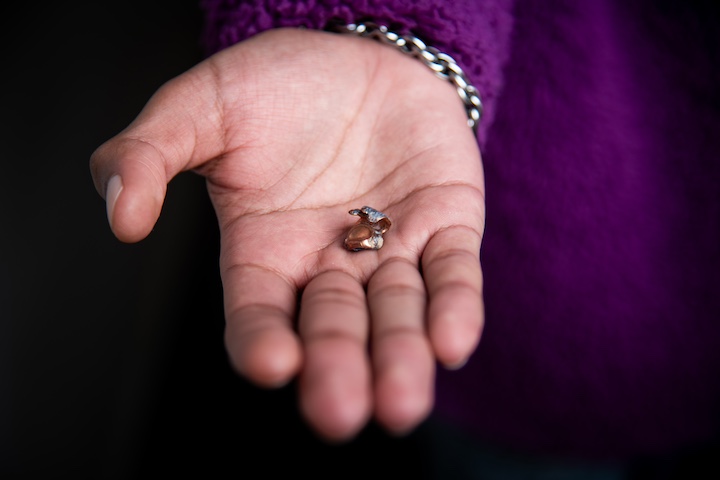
367	234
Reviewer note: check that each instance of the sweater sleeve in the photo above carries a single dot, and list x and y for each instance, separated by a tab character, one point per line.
475	33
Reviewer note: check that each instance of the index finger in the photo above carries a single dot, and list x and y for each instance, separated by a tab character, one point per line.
259	336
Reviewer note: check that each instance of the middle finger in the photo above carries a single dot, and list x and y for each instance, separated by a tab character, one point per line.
335	380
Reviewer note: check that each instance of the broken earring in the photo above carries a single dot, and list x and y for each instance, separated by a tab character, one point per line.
367	234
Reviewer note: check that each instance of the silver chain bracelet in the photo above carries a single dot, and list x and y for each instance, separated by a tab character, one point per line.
443	65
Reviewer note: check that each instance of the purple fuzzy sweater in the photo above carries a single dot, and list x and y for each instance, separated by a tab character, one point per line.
601	145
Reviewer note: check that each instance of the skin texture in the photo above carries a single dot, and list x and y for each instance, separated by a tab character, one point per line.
292	129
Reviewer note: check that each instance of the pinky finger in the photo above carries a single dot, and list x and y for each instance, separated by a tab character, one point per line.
453	278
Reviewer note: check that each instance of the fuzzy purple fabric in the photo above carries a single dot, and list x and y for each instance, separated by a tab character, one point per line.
602	248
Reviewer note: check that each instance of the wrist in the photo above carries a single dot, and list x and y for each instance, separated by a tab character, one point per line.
441	64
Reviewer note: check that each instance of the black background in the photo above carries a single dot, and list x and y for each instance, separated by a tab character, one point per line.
111	355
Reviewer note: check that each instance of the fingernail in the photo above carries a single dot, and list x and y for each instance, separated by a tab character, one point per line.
114	187
457	365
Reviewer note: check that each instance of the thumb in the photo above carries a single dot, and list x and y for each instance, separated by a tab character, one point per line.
132	170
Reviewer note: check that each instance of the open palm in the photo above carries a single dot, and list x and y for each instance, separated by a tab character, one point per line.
292	129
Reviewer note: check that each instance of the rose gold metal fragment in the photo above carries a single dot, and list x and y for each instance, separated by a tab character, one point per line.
367	234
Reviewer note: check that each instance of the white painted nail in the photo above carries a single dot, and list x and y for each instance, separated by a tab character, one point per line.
457	365
114	187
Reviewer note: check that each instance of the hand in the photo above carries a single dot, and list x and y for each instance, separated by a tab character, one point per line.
292	129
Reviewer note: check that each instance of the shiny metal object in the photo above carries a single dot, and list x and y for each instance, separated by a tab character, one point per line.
367	234
442	64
